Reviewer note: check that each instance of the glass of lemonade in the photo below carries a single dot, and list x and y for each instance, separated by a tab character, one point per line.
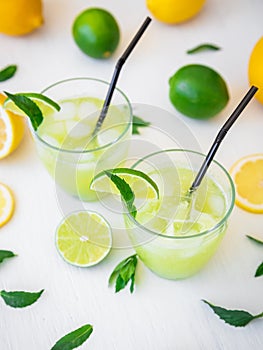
176	235
64	140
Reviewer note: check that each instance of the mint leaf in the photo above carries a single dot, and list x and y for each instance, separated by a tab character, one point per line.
29	107
74	339
203	47
20	299
7	73
123	273
5	254
137	123
236	318
259	271
126	192
254	239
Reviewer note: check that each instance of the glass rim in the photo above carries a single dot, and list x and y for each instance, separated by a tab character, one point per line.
206	232
63	150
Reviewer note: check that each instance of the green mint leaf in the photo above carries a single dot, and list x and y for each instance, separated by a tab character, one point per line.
7	73
203	47
74	339
259	271
137	123
5	254
29	107
254	239
123	273
126	192
20	299
236	318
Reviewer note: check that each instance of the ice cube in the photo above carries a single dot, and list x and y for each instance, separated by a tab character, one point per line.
217	205
77	129
107	136
68	111
88	110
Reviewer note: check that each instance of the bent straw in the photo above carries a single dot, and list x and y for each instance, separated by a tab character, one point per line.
116	73
220	136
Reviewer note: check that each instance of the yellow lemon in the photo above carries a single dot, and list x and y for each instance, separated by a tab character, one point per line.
247	174
174	11
19	17
6	204
12	129
255	68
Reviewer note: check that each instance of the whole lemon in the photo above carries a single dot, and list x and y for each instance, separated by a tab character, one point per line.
96	32
255	68
198	91
174	11
19	17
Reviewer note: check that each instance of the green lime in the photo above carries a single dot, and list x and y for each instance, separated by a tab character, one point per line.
83	238
141	184
96	33
198	91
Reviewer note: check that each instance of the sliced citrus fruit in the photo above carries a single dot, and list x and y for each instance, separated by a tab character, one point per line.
247	174
7	204
141	184
12	129
84	238
46	105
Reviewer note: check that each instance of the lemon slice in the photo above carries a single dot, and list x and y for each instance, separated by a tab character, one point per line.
247	174
84	238
12	129
46	105
141	184
7	204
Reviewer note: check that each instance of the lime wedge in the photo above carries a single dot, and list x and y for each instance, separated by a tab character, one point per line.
141	184
46	105
83	238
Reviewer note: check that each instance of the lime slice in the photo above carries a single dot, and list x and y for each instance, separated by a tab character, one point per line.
141	184
46	105
83	238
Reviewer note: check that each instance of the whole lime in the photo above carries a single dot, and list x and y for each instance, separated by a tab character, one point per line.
198	91
96	32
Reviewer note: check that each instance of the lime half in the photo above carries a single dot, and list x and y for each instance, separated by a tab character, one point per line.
83	238
45	104
141	184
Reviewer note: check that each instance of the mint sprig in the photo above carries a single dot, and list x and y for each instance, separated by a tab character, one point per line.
256	240
6	254
259	271
74	339
20	299
7	72
29	107
123	273
137	123
203	47
236	318
126	192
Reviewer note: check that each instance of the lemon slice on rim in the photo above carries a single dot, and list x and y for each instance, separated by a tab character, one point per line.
247	174
46	105
141	184
83	238
7	204
12	129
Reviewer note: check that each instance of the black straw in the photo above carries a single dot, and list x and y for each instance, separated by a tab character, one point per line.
117	71
220	136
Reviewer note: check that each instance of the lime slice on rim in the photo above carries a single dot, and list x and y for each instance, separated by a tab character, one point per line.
46	105
141	184
83	238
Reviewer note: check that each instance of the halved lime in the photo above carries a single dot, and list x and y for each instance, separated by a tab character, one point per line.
141	184
83	238
46	105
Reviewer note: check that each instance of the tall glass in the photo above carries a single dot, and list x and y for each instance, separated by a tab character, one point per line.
176	236
65	143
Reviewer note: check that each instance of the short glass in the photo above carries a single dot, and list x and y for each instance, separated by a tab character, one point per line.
74	161
169	240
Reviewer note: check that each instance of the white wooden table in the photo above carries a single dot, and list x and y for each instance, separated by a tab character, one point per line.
161	314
